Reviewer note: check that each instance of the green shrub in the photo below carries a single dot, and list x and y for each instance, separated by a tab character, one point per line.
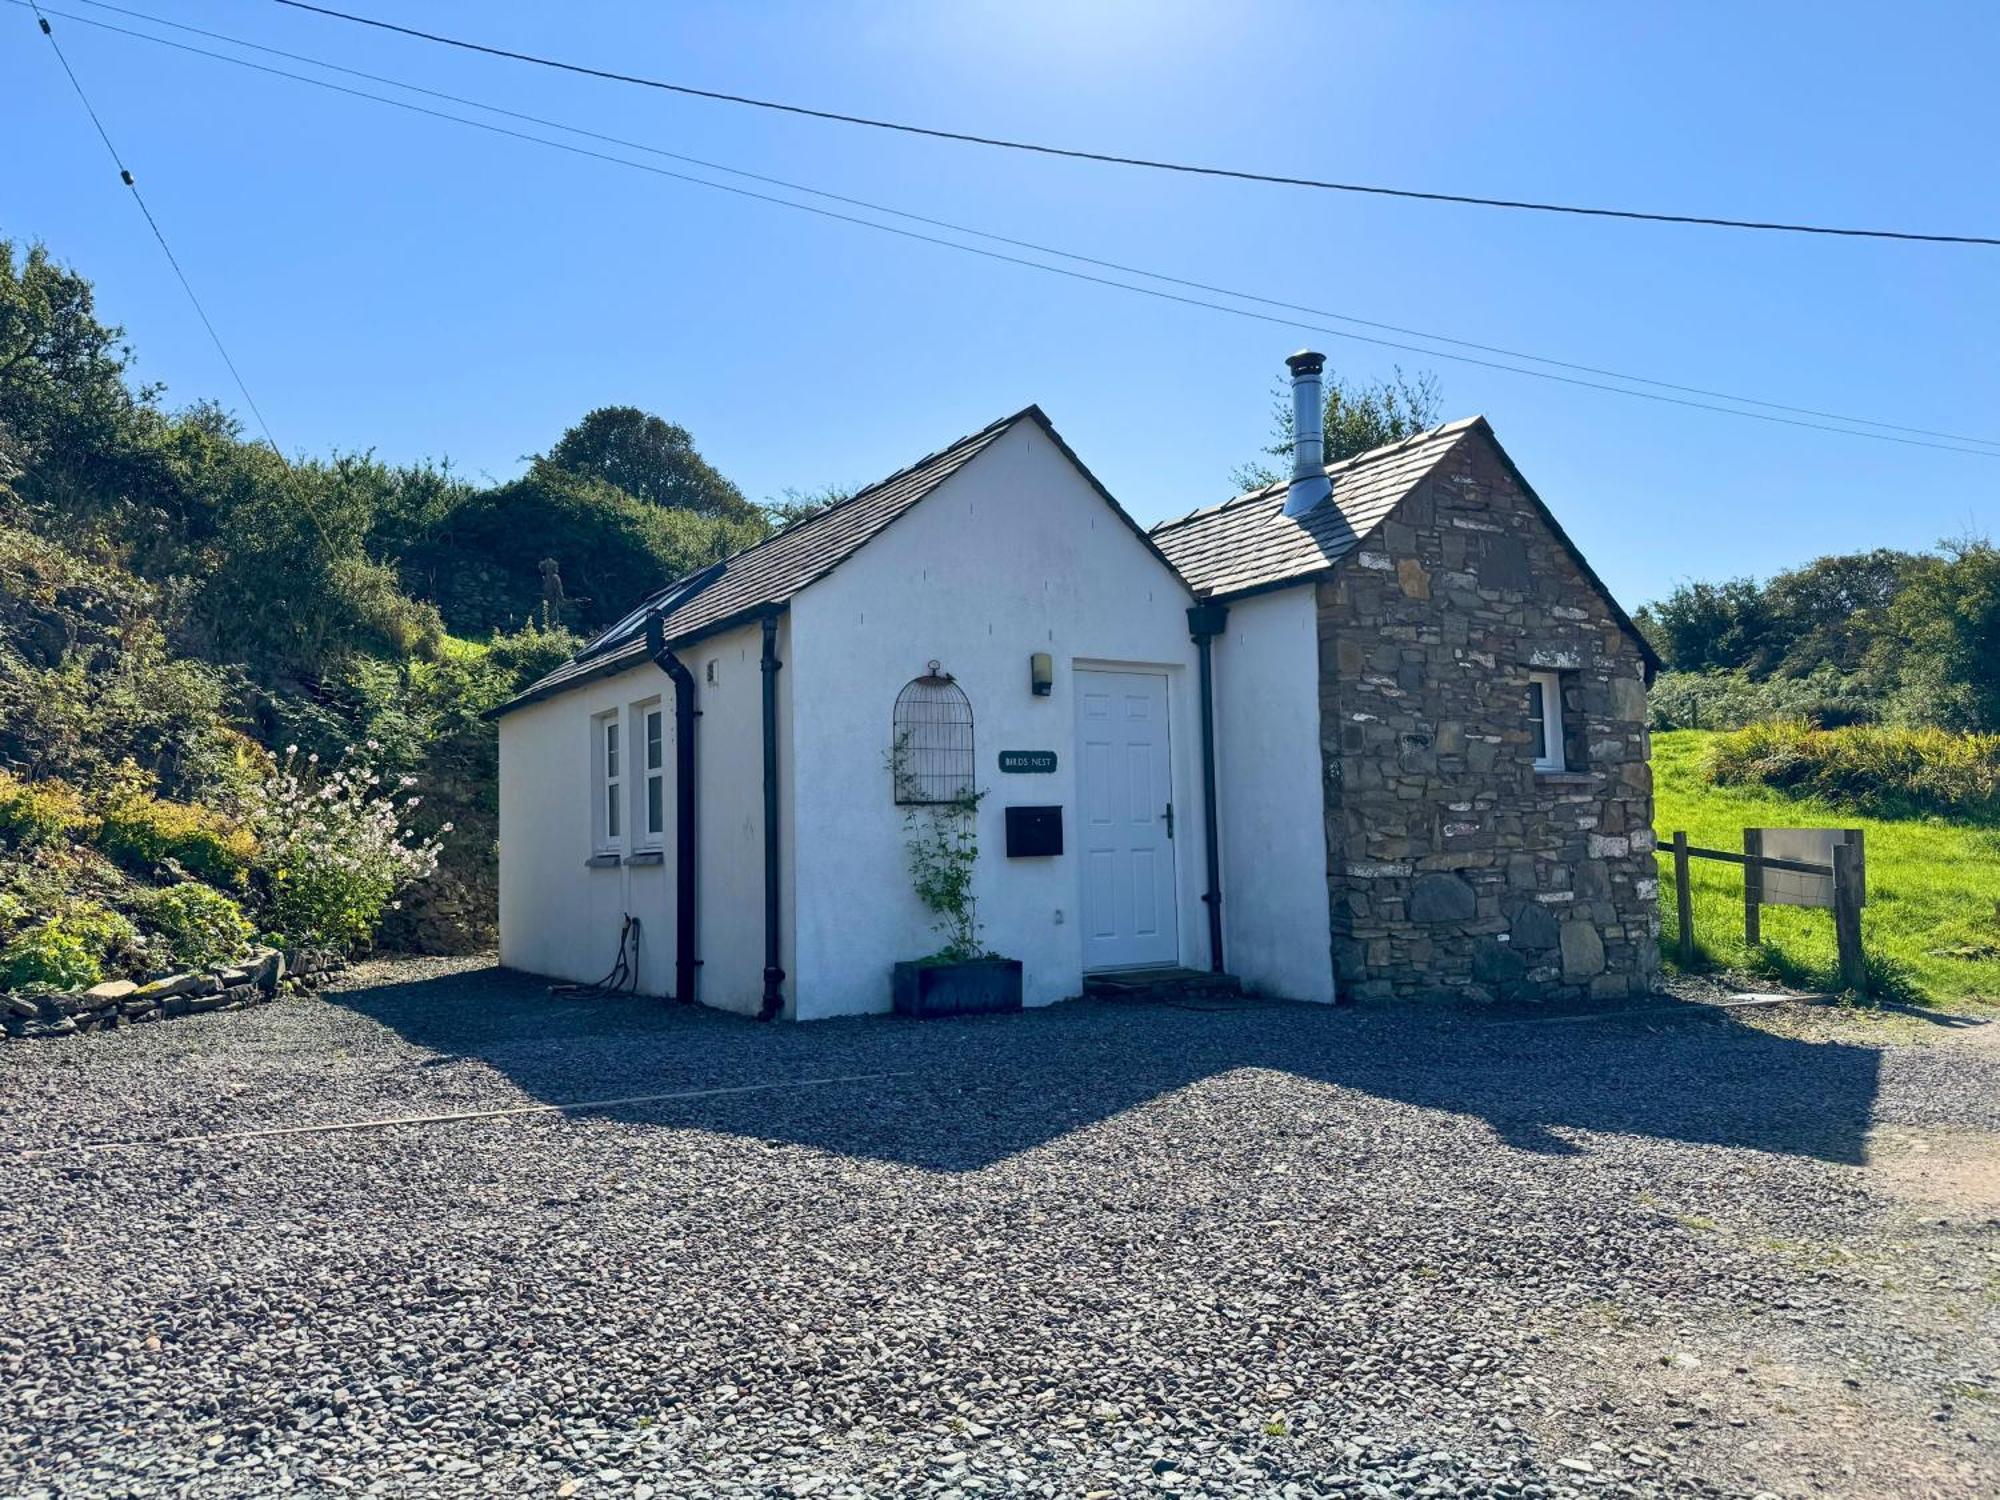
140	831
483	558
201	926
48	956
89	676
531	651
1734	699
42	812
64	952
1890	772
336	847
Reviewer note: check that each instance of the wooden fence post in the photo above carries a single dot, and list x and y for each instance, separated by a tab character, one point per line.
1847	894
1753	887
1684	900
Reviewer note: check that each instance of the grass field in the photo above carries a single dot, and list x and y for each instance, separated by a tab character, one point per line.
1932	923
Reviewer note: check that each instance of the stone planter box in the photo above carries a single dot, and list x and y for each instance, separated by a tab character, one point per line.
974	987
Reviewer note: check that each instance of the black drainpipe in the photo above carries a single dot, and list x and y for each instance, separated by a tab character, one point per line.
685	960
774	977
1205	623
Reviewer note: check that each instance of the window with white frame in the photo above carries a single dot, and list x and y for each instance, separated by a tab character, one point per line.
1545	720
653	795
608	752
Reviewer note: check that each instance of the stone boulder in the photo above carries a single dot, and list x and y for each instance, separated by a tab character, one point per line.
1533	929
1441	897
1582	950
1497	966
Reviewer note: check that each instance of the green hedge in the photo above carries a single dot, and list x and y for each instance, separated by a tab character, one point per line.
1886	771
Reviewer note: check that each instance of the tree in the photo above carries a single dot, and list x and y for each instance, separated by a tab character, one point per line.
483	560
1358	417
1701	626
650	459
1942	640
1830	610
75	439
1827	613
793	506
62	372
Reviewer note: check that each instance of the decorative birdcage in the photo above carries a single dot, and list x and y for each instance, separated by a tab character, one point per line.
932	754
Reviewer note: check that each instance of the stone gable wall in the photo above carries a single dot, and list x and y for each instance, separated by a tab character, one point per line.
1455	868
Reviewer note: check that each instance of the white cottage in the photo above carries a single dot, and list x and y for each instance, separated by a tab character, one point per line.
728	783
1376	731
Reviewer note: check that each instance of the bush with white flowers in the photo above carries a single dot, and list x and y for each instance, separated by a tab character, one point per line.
337	847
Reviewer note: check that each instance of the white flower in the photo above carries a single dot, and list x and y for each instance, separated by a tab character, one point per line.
291	749
444	828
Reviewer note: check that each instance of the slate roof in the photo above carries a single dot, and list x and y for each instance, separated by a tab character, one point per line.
762	578
1248	543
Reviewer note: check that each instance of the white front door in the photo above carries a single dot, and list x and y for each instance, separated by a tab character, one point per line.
1125	797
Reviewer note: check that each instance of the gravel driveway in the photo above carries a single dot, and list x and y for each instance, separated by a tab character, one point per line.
1104	1249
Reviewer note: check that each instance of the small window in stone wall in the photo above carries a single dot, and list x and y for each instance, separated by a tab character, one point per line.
931	753
1555	722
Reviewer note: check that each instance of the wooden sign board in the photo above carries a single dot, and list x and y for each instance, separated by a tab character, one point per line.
1813	846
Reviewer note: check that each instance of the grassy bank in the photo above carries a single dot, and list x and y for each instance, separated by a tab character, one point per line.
1932	925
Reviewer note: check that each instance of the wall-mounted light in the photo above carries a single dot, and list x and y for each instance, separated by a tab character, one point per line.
1042	673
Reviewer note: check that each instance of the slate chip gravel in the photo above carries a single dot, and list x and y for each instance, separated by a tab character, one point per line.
1106	1249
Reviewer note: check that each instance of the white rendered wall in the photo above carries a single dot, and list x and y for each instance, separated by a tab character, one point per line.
1277	934
1014	554
729	753
559	916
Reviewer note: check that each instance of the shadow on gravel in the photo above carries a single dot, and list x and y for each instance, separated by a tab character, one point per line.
976	1091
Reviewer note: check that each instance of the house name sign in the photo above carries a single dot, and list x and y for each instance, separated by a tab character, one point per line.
1028	762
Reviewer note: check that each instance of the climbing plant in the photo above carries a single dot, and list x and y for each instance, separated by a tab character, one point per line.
942	842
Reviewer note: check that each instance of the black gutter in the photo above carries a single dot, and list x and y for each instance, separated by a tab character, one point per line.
774	977
686	963
1205	623
622	659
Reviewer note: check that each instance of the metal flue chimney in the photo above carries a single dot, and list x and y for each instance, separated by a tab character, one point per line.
1309	482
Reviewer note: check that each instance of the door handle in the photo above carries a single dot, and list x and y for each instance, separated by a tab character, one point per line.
1170	820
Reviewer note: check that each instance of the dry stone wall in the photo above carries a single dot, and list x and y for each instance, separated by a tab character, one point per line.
263	976
1455	867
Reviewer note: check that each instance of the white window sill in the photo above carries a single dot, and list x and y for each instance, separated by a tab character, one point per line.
604	859
646	857
1553	777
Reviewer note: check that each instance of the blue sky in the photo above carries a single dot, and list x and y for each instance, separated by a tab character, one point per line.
408	285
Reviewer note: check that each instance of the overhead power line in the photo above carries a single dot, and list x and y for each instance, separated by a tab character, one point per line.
984	234
1831	424
125	176
1709	221
1032	264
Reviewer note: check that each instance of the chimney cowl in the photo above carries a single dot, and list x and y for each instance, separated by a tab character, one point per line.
1309	483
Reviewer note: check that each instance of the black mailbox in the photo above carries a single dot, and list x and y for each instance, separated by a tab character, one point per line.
1033	831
